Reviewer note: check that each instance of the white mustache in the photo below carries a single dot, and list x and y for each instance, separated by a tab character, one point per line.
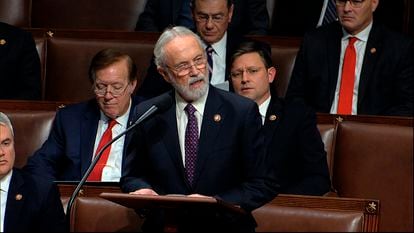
192	80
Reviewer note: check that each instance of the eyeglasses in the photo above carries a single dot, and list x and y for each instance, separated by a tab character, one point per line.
204	18
185	68
237	74
115	90
354	3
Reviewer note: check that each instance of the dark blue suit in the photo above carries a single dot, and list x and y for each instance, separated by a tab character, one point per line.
295	148
230	162
387	75
19	64
67	153
33	204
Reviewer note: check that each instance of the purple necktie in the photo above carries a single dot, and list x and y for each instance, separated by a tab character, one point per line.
191	143
209	51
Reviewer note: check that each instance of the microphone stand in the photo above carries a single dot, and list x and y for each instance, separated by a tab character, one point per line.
151	110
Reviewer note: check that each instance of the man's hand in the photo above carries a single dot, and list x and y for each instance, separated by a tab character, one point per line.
144	192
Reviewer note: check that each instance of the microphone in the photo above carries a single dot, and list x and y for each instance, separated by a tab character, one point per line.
159	104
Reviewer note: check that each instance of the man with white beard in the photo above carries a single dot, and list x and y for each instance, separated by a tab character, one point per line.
207	143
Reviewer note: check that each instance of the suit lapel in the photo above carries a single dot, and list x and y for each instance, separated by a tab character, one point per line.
171	142
131	119
333	52
374	46
273	116
89	126
213	117
15	202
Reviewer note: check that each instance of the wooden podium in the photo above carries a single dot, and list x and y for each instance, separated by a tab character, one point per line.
171	205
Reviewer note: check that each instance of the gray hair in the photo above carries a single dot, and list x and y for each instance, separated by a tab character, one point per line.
168	35
4	120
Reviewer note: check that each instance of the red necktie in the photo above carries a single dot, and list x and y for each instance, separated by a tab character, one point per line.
96	173
347	79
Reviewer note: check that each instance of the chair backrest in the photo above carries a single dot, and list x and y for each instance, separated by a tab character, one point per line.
298	213
39	37
32	122
87	14
284	51
16	12
376	161
69	55
31	129
94	214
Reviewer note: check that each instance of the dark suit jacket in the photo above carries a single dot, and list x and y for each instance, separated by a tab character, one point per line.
386	82
249	16
38	209
230	162
67	153
295	17
295	148
19	64
154	84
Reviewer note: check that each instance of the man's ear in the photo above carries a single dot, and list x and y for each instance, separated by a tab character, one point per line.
164	74
271	74
231	9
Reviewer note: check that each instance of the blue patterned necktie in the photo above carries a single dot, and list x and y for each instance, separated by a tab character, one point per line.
191	143
330	13
209	51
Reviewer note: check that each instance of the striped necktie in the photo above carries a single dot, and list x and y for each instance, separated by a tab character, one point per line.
209	51
330	13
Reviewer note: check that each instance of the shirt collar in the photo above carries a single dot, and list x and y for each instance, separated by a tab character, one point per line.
5	181
362	35
263	108
121	120
220	46
198	104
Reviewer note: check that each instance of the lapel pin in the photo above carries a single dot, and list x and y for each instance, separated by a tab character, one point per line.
373	50
18	197
272	117
2	41
217	117
49	33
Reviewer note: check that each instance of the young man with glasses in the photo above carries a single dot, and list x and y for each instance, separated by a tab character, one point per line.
355	66
295	150
206	143
78	129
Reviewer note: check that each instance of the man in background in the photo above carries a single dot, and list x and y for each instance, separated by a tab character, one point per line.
212	19
250	16
27	202
295	150
355	66
80	130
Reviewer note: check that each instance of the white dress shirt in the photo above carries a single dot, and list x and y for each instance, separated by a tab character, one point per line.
360	46
182	118
4	191
112	170
218	77
263	109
